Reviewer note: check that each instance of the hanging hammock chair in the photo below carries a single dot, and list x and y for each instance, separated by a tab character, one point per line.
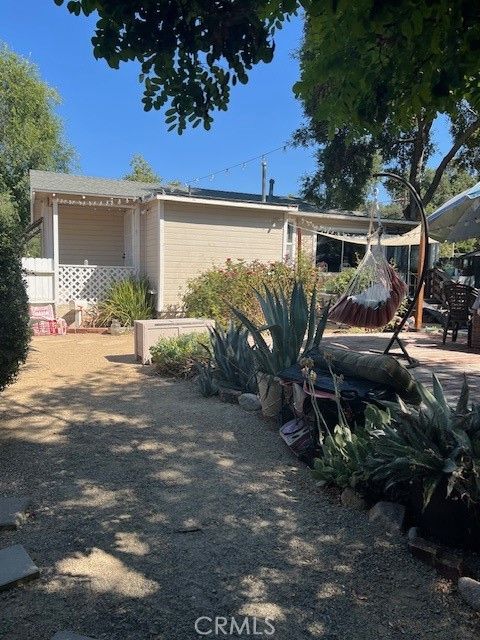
375	292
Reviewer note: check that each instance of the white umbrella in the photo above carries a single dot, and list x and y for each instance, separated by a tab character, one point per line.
457	219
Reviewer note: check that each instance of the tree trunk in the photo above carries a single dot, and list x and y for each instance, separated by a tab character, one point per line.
416	168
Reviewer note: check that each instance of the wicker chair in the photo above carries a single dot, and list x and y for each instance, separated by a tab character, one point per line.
459	299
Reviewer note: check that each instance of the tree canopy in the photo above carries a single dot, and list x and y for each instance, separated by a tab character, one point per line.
141	170
366	60
356	110
31	133
192	53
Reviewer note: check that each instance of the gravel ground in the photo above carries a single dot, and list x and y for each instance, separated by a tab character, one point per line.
153	506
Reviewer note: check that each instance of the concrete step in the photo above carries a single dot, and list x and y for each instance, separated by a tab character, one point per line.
13	511
16	567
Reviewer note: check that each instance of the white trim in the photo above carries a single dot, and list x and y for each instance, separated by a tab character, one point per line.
260	206
293	253
56	256
284	237
161	254
136	238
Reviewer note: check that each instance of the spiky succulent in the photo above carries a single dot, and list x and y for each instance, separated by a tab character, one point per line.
432	444
233	357
292	324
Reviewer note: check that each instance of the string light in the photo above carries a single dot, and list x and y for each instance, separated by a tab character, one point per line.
242	164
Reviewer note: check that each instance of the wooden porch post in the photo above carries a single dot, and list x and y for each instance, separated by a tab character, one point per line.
420	299
56	257
299	246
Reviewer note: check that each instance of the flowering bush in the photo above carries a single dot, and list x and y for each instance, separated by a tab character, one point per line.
214	292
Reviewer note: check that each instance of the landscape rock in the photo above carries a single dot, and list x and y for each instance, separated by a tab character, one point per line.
16	567
230	396
413	533
13	511
249	402
389	515
352	499
469	589
424	550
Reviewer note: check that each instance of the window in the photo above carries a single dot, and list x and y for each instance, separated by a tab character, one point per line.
289	243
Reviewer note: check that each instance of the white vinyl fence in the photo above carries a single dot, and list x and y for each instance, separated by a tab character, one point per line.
39	276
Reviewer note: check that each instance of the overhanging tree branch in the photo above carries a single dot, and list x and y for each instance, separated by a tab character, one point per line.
459	142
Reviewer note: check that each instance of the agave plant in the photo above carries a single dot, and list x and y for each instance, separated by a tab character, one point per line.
206	381
233	357
292	325
434	445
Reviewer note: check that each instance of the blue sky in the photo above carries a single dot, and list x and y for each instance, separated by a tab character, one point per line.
106	124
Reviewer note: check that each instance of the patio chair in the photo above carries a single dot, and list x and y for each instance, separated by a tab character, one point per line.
459	299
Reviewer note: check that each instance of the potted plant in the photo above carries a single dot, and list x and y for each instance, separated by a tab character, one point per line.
293	328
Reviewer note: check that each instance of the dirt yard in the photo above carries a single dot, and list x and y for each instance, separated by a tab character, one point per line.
153	507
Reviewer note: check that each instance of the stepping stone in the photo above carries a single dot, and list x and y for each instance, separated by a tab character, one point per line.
16	567
69	635
12	511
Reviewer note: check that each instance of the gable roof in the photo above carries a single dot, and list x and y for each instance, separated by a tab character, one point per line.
52	182
67	183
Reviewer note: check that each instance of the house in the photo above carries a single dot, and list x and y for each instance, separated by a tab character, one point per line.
95	231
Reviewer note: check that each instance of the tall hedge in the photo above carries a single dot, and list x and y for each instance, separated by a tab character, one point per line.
14	321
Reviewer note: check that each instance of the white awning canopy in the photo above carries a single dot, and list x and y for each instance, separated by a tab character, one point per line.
404	240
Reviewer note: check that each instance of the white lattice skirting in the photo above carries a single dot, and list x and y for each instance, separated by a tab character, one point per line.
88	282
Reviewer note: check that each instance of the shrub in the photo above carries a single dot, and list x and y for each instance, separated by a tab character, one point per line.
214	292
233	358
339	283
14	318
179	356
126	301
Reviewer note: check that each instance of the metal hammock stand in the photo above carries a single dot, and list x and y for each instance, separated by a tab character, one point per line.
423	260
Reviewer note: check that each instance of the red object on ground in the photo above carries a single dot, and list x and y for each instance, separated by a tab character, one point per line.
44	322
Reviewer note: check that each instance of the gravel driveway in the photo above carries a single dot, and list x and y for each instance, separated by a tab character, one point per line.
154	507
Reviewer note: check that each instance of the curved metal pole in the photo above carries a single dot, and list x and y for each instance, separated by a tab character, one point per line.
426	254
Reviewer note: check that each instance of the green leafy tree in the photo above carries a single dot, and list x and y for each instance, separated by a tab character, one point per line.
191	53
141	170
31	135
397	56
14	320
354	77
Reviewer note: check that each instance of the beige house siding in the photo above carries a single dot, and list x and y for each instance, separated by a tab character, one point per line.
199	236
89	234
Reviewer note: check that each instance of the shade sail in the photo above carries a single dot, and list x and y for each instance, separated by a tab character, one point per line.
457	219
410	238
